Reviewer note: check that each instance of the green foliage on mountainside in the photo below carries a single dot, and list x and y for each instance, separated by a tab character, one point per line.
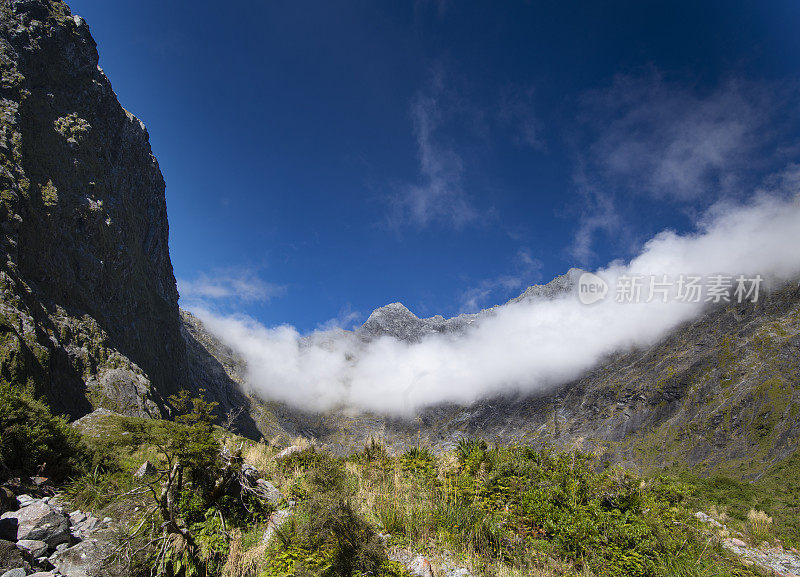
211	518
519	511
777	493
735	403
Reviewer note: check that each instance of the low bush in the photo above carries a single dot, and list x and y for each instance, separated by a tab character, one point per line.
34	441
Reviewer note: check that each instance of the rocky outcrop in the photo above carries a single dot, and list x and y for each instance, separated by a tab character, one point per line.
397	321
88	300
774	559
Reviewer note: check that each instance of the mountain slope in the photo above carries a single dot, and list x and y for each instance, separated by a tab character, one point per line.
721	393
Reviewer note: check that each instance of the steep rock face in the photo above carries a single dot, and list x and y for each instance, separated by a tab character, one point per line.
214	368
88	300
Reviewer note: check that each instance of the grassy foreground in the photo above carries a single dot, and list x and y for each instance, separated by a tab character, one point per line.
505	511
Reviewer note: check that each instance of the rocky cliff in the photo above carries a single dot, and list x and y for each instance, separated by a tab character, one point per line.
88	301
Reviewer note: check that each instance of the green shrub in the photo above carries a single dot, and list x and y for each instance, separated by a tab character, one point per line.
419	460
33	440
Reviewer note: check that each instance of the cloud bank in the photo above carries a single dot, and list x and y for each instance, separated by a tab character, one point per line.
523	347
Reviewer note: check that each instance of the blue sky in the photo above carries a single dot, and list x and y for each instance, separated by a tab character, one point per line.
323	159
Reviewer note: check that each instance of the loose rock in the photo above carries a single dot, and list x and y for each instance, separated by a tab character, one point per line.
33	546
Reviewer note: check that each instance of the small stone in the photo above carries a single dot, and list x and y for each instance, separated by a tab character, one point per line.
25	500
737	542
88	525
77	517
421	567
249	472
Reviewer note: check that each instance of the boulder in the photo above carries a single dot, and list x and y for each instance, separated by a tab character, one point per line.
82	560
37	521
146	470
268	491
18	572
277	519
33	546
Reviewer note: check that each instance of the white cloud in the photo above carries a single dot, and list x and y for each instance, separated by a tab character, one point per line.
439	196
598	214
644	137
230	284
676	142
524	347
